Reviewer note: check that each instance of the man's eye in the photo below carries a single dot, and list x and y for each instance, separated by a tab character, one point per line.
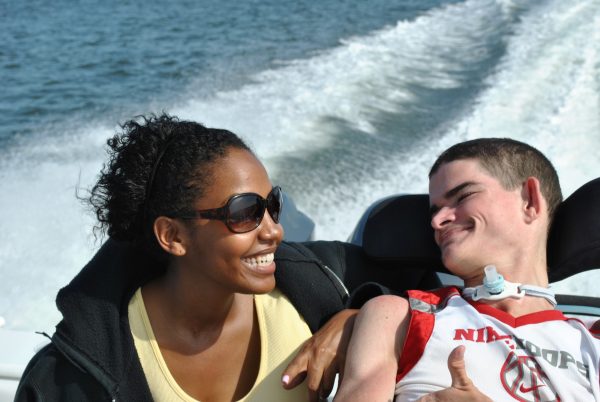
464	195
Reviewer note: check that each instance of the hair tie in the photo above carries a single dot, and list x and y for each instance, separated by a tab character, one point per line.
150	183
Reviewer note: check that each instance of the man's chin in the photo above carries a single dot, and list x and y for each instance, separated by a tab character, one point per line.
453	261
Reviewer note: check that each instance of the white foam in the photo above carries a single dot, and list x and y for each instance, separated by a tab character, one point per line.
45	237
285	107
546	91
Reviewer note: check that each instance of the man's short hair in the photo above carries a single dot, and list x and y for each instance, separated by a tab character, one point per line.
509	161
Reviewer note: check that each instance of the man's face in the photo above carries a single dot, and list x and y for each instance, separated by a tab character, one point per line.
476	221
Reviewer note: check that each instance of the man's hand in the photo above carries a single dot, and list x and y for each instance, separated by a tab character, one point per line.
462	388
322	356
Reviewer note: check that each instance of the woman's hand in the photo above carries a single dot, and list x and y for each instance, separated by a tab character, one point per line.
321	357
462	388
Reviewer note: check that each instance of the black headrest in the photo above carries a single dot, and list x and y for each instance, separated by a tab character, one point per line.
574	242
398	230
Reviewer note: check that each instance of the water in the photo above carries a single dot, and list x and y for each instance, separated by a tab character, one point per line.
345	102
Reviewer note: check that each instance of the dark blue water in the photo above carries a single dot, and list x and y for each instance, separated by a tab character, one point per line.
344	101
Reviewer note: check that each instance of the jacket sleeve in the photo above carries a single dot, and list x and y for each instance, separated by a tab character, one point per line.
314	288
49	376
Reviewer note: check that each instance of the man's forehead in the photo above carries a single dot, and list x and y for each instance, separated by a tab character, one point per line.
457	174
458	170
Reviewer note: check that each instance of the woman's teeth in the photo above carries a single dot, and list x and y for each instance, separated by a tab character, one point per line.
259	261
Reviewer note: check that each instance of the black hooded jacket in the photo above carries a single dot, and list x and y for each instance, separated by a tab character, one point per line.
92	356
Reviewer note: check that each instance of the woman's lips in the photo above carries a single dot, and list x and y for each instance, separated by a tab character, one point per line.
263	263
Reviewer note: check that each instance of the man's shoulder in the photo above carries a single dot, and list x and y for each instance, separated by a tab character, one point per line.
592	324
436	297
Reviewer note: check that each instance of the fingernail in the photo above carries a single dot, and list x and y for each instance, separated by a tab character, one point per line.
285	379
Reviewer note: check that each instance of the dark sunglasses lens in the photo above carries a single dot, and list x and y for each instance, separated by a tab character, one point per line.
275	203
245	213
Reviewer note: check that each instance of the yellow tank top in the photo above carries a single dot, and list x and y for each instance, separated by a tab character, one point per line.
282	331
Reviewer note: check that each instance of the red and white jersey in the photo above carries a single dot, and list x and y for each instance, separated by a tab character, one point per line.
543	356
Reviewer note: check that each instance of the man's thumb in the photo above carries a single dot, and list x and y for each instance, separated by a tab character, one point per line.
456	365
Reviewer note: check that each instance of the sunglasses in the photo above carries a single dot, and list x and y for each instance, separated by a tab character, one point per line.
244	212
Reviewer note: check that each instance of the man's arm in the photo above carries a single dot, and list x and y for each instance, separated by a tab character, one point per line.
374	350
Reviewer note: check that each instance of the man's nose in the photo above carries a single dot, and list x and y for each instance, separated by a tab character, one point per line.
442	217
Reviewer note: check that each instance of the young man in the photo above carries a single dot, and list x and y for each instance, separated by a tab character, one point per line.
492	201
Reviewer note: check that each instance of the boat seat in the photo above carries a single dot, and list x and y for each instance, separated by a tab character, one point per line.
396	233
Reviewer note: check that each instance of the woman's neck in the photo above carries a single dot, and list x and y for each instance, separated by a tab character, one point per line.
188	309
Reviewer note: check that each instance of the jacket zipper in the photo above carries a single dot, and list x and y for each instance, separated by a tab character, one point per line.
85	364
338	280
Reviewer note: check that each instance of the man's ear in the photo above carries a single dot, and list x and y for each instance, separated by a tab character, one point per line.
533	200
169	233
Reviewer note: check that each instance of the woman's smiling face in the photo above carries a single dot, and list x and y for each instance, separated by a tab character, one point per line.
236	262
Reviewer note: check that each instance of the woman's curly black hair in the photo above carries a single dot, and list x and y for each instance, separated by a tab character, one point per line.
158	166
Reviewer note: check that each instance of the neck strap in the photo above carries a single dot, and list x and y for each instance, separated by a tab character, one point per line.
496	288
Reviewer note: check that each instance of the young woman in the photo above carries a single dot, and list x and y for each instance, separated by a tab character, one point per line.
205	322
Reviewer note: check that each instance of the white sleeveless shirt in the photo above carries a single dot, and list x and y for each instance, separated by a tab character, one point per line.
538	357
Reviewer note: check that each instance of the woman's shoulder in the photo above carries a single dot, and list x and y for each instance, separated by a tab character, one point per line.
51	376
275	301
312	286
